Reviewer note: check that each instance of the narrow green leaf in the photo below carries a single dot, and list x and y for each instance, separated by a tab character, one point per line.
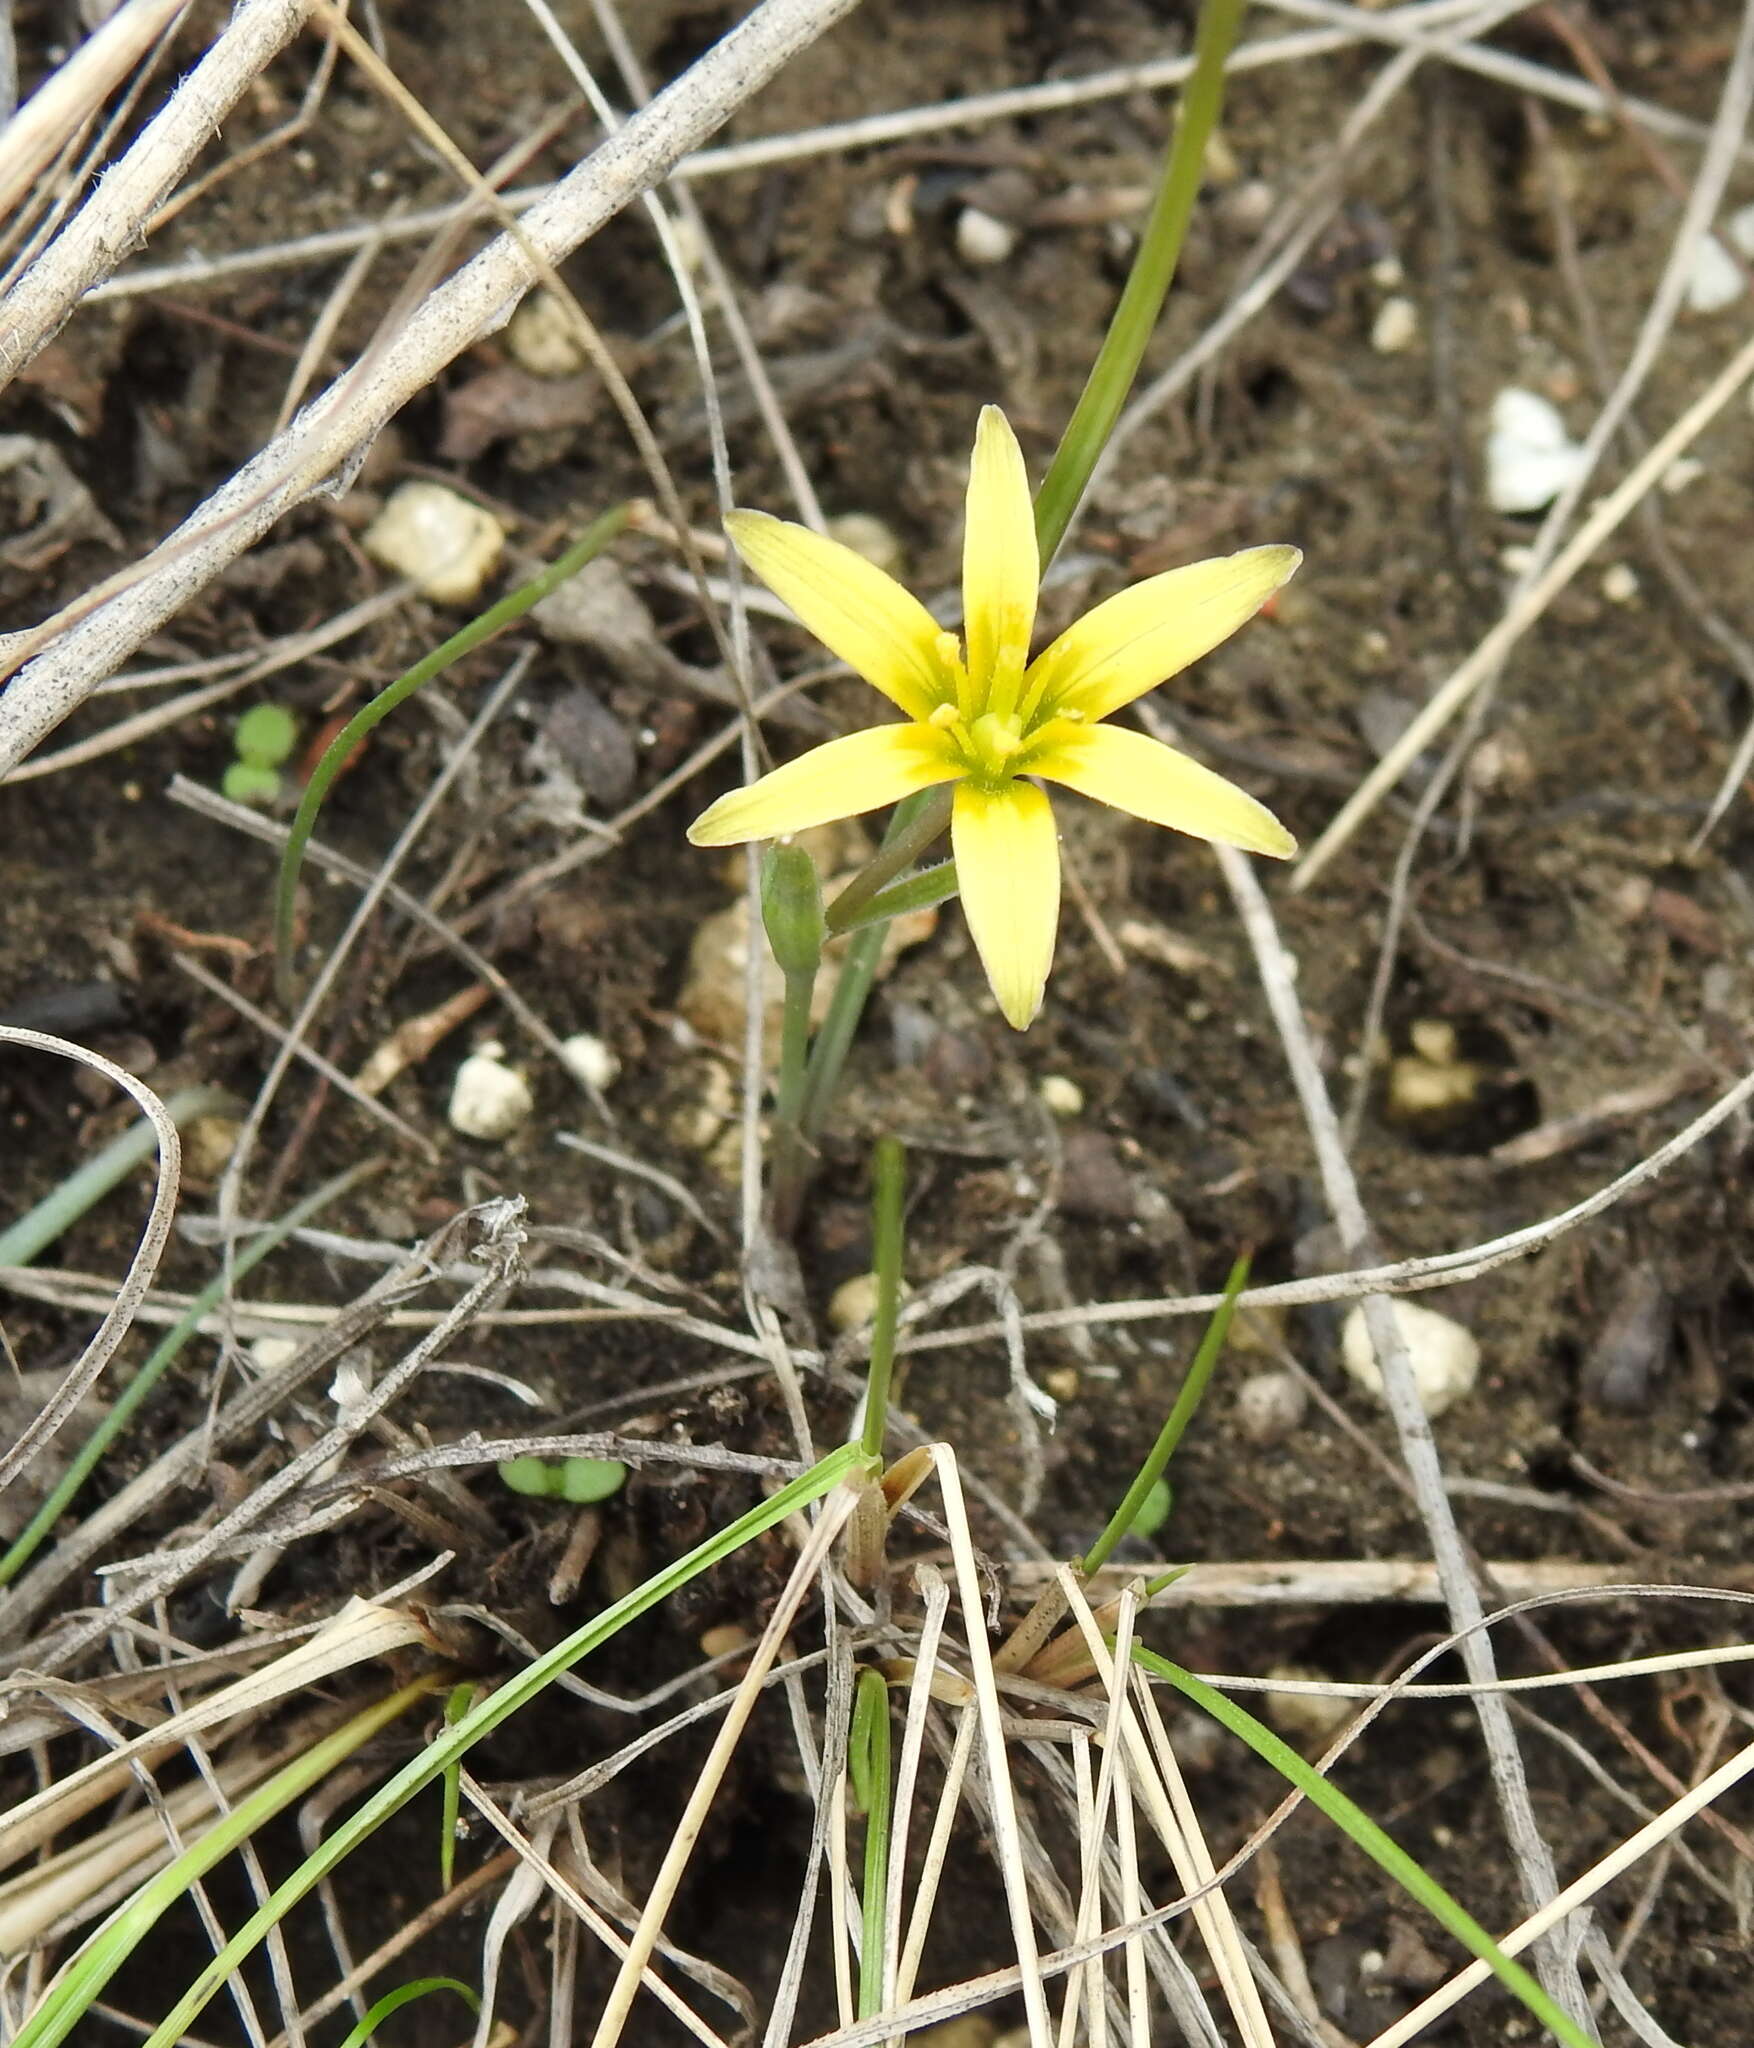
1160	245
868	1767
393	2001
1352	1820
1187	1402
495	619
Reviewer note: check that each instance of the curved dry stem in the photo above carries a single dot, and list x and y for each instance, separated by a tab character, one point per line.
83	1375
68	655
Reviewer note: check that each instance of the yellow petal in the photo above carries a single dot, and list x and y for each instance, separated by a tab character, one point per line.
853	608
1163	787
1008	874
1001	563
839	780
1138	638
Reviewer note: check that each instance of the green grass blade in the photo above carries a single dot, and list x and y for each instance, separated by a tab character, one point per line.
63	1206
481	1720
1353	1821
457	1703
393	2001
64	2005
1160	245
868	1766
1187	1401
595	538
162	1356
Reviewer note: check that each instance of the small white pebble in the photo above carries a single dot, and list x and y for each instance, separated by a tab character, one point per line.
1684	470
982	237
1060	1094
591	1060
1530	458
869	536
853	1303
489	1099
1395	327
1620	583
1270	1406
1306	1717
1445	1357
208	1143
1740	229
1387	272
444	541
1714	277
541	337
351	1385
269	1354
1515	559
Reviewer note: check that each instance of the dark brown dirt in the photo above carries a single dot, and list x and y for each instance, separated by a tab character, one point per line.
1562	928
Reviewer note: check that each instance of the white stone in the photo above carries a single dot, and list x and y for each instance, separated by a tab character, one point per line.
489	1099
269	1354
982	237
853	1303
541	337
445	542
1445	1358
1740	229
871	537
1714	277
1530	458
1396	326
1310	1718
1270	1406
1060	1094
1620	583
591	1060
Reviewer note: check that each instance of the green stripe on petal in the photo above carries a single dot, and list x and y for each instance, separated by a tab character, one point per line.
1008	873
878	629
1139	638
1001	565
1156	783
839	780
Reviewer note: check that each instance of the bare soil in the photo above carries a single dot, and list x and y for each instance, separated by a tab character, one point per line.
1560	927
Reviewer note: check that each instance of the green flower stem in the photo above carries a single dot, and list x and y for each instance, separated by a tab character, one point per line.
163	1354
1160	245
595	538
897	854
888	1187
86	1185
868	1766
791	1151
852	990
1187	1401
1387	1854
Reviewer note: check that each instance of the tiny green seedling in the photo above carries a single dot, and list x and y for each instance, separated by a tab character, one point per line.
264	737
579	1480
1153	1510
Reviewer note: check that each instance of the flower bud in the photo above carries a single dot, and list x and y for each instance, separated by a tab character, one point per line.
791	909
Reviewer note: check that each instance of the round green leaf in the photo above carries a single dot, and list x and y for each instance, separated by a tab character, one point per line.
248	782
266	734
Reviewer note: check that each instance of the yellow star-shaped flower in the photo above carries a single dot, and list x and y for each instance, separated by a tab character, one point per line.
980	714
